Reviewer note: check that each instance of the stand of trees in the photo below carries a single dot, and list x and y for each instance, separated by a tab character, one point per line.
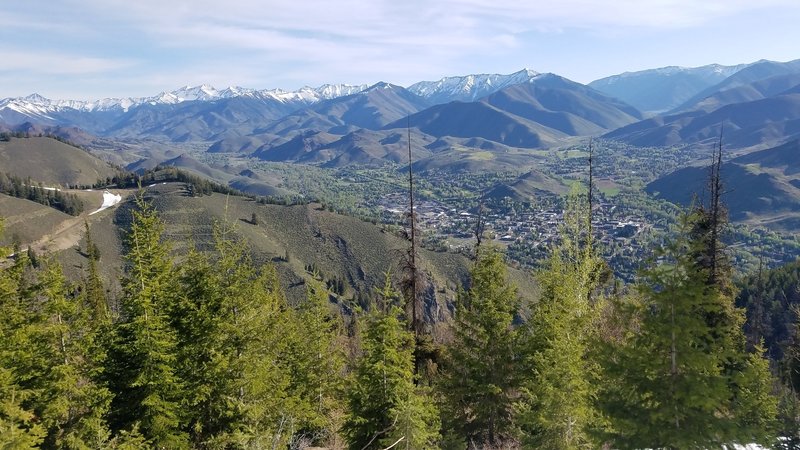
198	186
30	190
209	354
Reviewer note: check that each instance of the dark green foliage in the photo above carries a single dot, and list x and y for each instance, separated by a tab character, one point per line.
228	319
680	377
481	373
19	427
71	403
316	364
385	405
49	363
198	186
788	430
556	411
142	369
769	298
30	190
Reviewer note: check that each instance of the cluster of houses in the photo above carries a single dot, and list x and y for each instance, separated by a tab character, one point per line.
535	226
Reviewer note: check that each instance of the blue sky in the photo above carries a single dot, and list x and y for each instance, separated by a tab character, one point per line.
89	49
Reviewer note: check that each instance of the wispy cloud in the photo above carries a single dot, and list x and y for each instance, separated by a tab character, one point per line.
58	63
287	43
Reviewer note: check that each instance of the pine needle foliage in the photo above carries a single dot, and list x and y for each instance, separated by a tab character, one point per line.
556	410
142	369
683	379
385	405
481	373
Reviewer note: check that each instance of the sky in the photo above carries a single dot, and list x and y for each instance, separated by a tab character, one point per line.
91	49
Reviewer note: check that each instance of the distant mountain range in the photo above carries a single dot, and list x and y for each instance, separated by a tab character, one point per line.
758	105
663	89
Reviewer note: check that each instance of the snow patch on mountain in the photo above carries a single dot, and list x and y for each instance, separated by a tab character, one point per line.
37	106
470	87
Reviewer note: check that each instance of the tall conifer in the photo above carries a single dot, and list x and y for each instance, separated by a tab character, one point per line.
19	428
316	362
556	410
681	380
70	402
480	374
142	366
385	406
230	322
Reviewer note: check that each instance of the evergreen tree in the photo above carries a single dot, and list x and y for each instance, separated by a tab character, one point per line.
143	358
556	410
385	406
679	379
789	376
480	375
69	401
316	361
232	327
19	428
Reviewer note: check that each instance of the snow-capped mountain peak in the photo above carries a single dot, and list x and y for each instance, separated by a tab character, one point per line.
36	98
203	92
470	87
466	88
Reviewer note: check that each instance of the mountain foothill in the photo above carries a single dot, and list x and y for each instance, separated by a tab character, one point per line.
473	123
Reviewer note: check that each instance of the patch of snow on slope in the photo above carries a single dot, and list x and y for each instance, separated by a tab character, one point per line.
109	200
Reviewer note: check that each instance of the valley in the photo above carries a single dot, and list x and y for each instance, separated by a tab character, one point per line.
510	145
373	226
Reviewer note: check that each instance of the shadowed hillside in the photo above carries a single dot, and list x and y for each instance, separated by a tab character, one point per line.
761	187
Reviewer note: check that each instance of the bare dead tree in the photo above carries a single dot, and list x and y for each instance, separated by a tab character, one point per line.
716	212
758	313
591	188
480	225
411	274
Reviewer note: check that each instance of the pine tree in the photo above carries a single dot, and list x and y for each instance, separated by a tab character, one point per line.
316	361
556	409
142	363
231	324
69	401
680	380
480	374
19	428
385	406
788	427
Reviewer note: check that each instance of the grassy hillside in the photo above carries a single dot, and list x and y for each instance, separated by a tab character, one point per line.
52	162
27	221
528	186
340	247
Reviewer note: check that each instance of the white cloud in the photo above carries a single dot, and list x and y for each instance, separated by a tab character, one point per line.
58	64
287	43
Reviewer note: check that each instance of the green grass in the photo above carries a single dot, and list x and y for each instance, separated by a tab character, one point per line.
481	156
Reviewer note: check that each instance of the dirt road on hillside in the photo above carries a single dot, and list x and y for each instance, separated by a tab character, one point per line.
70	232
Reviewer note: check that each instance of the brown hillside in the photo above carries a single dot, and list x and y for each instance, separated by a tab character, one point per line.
50	161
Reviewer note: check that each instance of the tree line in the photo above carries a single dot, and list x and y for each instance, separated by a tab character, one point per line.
208	354
29	190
